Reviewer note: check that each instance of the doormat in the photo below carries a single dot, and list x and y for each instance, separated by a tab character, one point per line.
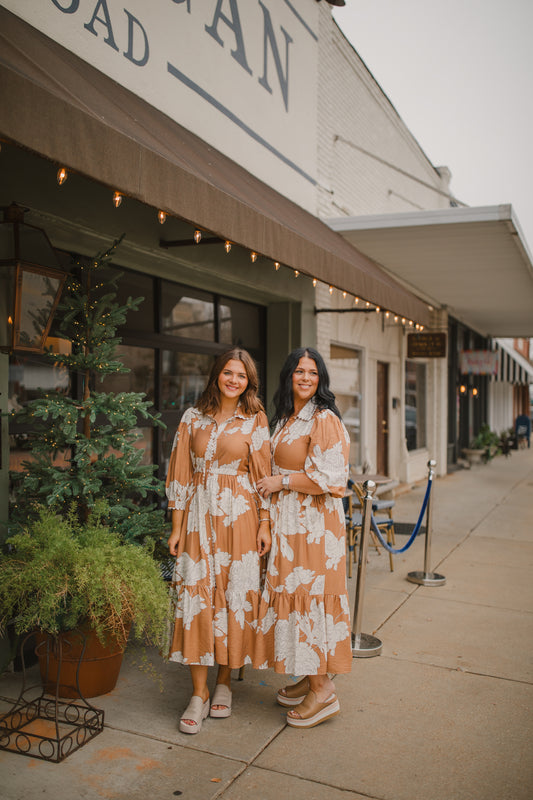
406	529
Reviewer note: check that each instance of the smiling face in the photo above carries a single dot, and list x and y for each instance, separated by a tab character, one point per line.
233	380
304	381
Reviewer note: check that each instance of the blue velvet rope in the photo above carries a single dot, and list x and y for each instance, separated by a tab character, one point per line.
416	529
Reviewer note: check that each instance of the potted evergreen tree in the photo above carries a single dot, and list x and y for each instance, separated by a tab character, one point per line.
95	434
84	465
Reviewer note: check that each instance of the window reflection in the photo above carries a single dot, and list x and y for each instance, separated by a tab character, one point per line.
183	378
345	377
187	312
415	405
140	361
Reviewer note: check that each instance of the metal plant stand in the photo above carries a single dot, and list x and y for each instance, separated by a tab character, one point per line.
43	725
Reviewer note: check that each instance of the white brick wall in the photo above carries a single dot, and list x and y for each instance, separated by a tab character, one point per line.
354	115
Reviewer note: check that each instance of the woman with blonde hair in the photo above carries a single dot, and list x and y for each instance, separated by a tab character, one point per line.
220	530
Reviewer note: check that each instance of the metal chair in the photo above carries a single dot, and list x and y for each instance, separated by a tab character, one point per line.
522	429
382	512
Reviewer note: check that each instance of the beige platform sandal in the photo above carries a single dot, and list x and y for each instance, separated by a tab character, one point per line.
196	712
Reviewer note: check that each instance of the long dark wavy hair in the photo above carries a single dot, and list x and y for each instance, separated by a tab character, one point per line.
209	402
283	398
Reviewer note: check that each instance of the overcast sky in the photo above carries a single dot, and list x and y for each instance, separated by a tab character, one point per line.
460	74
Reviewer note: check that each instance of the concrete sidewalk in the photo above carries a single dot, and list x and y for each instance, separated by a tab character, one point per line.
445	713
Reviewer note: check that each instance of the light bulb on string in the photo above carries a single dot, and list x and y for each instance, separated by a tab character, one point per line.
161	216
395	318
253	256
410	323
227	245
403	320
344	295
331	289
367	304
117	199
296	273
197	236
62	175
387	314
356	300
315	282
276	265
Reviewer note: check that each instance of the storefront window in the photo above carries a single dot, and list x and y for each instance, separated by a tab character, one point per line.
239	324
415	405
345	375
183	378
187	312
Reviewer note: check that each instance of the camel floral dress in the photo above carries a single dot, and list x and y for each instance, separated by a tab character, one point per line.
304	619
215	589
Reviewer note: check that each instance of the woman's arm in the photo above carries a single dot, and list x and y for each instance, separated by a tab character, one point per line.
298	482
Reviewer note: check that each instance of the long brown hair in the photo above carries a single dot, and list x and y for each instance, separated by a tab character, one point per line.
209	401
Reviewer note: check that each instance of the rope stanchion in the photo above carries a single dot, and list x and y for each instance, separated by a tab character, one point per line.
416	529
363	644
428	578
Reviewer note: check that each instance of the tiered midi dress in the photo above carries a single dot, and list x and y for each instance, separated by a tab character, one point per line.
304	618
215	589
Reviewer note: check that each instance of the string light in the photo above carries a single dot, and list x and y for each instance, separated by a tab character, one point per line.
315	282
403	320
462	388
378	309
253	256
331	289
62	175
367	304
387	314
474	392
161	216
421	327
117	199
277	265
356	300
296	273
344	294
395	318
227	245
411	323
197	236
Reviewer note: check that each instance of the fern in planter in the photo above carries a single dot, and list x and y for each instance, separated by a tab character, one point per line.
84	450
59	574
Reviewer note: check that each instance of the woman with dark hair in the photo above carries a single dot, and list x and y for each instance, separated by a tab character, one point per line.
220	530
304	619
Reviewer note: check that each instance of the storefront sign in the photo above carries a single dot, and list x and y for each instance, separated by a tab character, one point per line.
241	74
478	362
426	345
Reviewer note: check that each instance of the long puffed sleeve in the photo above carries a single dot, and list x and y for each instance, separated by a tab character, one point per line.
260	459
327	462
179	474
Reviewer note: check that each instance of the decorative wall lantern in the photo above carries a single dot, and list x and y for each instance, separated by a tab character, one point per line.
31	280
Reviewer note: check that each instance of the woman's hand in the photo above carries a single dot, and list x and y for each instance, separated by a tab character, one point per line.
264	539
173	541
268	485
174	537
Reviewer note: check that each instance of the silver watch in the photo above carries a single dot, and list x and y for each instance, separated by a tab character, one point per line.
285	481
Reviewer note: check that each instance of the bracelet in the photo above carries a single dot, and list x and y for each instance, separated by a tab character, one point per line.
264	519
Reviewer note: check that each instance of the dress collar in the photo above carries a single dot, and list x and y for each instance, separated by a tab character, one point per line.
307	411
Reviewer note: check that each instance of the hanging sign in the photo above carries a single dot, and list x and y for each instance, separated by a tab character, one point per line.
478	362
426	345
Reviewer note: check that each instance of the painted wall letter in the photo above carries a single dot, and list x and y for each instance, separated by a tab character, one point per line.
72	8
133	23
270	39
235	25
110	40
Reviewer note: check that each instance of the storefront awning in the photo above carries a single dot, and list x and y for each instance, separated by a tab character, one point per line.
474	261
58	106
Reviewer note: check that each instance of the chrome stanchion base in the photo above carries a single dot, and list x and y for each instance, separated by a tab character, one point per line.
365	646
426	578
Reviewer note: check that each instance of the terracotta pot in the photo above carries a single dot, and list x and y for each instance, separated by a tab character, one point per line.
98	669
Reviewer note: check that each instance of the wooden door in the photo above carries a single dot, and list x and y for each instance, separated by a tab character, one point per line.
382	426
